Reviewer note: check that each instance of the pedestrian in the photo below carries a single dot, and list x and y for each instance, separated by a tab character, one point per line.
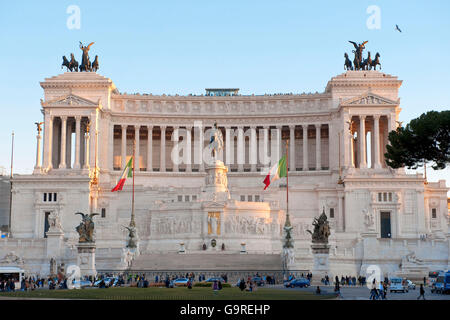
373	291
215	287
424	281
385	289
242	284
318	290
422	292
337	290
380	291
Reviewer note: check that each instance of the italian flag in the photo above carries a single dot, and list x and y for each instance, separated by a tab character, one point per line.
127	173
279	170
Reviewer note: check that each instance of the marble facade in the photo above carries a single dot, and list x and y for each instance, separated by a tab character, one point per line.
377	215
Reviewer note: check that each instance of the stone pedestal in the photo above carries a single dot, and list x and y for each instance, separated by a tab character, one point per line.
86	258
370	251
216	187
321	253
55	243
182	248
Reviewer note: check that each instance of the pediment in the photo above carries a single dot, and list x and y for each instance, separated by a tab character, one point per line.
369	99
71	100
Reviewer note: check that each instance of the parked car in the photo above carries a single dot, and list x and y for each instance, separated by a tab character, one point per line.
215	279
80	284
181	282
411	285
300	282
109	282
397	285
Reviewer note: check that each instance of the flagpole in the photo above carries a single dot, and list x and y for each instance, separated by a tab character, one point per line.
11	181
132	223
287	179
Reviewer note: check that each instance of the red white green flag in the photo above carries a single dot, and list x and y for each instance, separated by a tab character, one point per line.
127	173
279	170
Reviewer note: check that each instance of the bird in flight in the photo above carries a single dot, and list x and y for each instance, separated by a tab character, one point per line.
397	28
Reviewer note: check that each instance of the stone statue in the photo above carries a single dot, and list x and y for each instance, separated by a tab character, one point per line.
288	241
86	228
54	221
359	48
367	63
66	64
321	229
131	236
73	64
53	269
212	220
375	62
216	140
411	258
12	258
348	63
39	127
85	62
95	65
369	219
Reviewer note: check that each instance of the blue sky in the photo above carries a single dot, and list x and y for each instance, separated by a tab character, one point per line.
185	46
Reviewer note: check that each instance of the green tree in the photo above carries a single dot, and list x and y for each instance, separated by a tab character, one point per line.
424	139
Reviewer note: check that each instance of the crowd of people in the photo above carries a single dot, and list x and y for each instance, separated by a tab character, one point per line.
7	285
345	281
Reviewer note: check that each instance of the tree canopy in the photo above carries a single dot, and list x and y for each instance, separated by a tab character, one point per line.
424	139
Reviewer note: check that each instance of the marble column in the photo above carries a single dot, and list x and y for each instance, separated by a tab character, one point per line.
253	149
188	149
149	148
69	128
137	150
318	147
93	140
240	149
86	145
111	147
48	133
264	147
292	148
62	163
305	148
341	220
176	149
162	159
201	145
362	142
77	141
38	151
124	146
349	134
280	141
229	145
376	138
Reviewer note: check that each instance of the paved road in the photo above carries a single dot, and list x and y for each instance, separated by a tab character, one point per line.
363	293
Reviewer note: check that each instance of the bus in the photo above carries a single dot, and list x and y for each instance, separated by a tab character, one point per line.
14	273
442	284
432	276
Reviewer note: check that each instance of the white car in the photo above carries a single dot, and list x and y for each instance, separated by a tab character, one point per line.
80	284
397	285
411	285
